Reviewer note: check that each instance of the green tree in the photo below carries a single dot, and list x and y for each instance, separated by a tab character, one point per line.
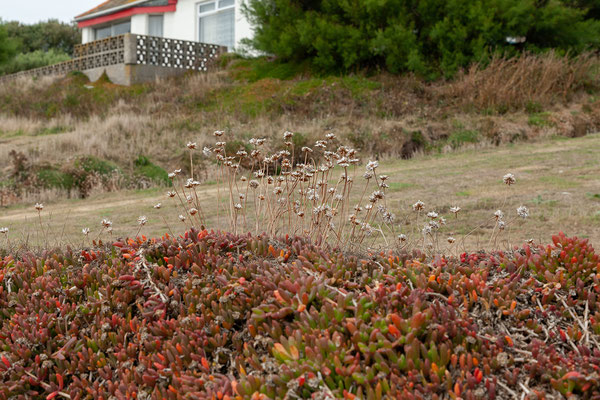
8	47
46	35
430	37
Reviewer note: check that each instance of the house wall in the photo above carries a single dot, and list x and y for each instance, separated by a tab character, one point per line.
139	24
87	35
181	24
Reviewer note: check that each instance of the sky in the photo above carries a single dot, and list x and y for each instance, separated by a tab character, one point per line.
31	11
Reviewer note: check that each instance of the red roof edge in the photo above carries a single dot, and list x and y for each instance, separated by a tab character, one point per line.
172	6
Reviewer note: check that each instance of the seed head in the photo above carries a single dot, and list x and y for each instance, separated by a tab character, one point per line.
322	144
418	206
499	215
39	206
192	145
85	231
4	231
182	218
287	135
142	220
371	165
402	238
432	215
171	194
451	240
455	210
206	151
157	206
330	136
523	212
509	179
106	223
219	133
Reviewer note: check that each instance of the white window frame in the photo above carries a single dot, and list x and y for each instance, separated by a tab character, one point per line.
213	12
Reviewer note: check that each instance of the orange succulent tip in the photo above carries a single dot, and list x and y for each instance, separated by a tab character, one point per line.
509	340
457	389
434	368
204	362
301	307
431	278
475	361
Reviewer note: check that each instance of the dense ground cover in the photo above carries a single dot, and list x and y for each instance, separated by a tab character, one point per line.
214	315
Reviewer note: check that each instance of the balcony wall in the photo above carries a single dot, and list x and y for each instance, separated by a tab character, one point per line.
129	59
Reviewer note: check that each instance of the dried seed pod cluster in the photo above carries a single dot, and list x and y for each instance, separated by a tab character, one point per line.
214	315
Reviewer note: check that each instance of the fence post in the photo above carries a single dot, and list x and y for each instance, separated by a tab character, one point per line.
130	48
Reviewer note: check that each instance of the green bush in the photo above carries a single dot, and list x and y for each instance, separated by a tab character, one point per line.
35	59
53	178
8	47
94	164
429	37
44	35
144	167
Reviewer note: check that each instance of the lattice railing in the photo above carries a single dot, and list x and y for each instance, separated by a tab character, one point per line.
131	50
108	45
175	53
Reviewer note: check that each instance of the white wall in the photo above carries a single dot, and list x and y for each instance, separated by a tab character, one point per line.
87	34
243	30
139	24
183	23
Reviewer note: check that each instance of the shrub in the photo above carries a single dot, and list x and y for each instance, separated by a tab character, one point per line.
426	37
8	47
35	59
145	168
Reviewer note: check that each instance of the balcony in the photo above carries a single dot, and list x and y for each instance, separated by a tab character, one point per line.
129	59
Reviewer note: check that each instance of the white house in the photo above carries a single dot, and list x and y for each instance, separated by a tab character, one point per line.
209	21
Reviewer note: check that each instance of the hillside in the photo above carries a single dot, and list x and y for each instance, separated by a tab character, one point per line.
380	115
558	179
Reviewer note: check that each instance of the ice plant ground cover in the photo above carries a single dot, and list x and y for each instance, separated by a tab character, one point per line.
217	315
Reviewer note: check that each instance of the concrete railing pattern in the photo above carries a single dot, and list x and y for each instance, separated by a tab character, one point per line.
130	49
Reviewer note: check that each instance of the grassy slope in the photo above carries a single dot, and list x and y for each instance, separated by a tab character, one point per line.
559	180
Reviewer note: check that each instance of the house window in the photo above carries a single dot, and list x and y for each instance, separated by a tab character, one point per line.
155	25
117	29
217	22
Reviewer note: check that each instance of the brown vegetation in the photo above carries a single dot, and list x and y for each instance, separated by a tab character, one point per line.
55	121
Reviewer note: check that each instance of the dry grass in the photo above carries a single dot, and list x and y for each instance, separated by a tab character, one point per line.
518	83
53	121
558	180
